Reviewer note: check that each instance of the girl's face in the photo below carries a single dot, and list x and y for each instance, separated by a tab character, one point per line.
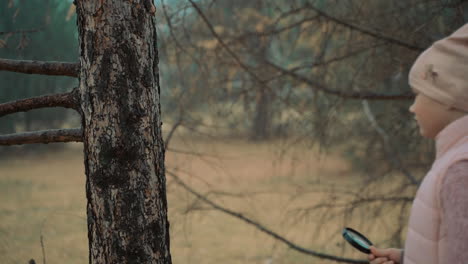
430	115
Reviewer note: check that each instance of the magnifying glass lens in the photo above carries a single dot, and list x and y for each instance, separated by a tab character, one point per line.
357	240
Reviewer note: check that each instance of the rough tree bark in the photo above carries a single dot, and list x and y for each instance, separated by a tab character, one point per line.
124	150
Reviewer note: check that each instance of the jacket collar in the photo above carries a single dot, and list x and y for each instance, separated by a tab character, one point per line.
450	135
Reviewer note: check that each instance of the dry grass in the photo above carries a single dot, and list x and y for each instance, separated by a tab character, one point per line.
46	195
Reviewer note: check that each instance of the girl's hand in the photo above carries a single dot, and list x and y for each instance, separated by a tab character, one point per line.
385	256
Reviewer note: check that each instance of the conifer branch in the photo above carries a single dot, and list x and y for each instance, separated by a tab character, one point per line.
40	67
66	100
43	136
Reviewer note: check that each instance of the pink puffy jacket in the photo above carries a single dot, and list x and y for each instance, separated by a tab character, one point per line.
425	239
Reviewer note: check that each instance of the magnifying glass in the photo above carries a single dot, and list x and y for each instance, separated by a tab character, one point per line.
357	240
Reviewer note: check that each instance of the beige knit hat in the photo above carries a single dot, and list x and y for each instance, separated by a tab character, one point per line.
441	71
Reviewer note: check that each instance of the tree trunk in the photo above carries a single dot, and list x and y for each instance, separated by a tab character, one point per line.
123	147
262	120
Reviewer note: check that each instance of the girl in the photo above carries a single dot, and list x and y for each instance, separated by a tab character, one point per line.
438	225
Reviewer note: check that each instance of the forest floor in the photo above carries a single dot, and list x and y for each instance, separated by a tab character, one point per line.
277	186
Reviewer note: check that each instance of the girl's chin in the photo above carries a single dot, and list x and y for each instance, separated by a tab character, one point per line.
422	132
425	134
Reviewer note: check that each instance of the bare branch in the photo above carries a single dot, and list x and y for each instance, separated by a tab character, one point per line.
273	31
363	202
193	153
366	31
171	33
171	133
218	38
44	137
244	66
263	228
40	67
66	100
350	54
350	95
43	250
389	151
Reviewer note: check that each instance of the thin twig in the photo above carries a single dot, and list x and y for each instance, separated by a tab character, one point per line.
349	95
66	100
40	67
171	33
43	249
273	31
171	133
44	137
193	153
263	228
395	161
244	66
221	42
366	31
